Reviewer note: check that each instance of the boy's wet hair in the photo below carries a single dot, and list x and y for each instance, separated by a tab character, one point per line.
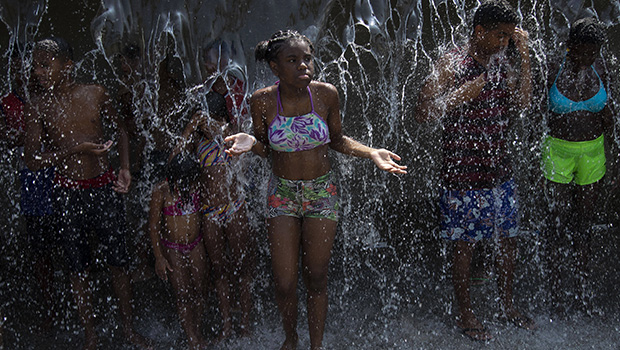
268	50
493	12
58	47
587	31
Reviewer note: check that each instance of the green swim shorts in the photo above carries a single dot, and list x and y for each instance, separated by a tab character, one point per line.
581	161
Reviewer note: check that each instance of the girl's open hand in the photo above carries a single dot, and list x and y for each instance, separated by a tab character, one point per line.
384	160
241	143
162	267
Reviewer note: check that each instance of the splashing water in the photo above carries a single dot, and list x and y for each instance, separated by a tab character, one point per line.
390	284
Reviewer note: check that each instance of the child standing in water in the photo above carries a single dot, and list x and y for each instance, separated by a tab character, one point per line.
296	121
227	233
178	249
474	92
35	200
573	156
67	119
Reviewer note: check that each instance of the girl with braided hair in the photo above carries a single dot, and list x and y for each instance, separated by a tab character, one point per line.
296	121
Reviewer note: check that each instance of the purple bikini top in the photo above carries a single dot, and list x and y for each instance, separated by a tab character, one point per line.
298	133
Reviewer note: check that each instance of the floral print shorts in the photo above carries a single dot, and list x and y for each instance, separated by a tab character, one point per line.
316	198
472	215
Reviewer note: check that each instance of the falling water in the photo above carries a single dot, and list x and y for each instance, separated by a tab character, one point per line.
389	279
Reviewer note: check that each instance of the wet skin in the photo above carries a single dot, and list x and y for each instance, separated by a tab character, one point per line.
185	271
440	95
68	118
289	236
578	82
574	207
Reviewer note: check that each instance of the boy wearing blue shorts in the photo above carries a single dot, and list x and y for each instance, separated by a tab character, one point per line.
66	121
473	91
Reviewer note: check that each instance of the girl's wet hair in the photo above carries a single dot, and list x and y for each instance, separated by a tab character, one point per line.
58	47
268	50
181	172
217	106
493	12
587	31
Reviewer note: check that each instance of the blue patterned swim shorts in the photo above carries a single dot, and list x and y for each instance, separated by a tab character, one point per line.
472	215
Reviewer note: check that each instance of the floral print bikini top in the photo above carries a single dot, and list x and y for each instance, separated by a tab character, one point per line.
299	133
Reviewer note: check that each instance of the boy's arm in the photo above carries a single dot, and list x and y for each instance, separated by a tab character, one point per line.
12	137
523	97
108	110
437	96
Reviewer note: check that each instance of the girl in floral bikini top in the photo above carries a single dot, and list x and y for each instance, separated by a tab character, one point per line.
302	195
299	133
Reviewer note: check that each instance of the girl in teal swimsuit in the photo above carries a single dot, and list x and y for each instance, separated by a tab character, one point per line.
573	151
297	121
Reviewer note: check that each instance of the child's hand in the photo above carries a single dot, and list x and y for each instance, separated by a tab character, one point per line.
161	268
521	38
384	160
242	143
98	149
121	185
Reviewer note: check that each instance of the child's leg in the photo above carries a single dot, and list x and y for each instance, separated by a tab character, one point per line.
198	273
215	244
241	244
180	278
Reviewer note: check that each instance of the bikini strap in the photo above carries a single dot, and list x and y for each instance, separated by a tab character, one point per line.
311	102
561	67
600	81
279	102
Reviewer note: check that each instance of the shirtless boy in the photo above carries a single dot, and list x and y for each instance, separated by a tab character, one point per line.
67	119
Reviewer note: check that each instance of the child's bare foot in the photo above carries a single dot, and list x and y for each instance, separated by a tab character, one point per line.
472	328
520	320
290	343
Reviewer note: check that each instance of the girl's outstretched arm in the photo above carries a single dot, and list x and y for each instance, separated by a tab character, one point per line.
242	142
384	159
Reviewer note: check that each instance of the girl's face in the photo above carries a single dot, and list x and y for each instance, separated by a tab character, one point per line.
294	64
584	54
